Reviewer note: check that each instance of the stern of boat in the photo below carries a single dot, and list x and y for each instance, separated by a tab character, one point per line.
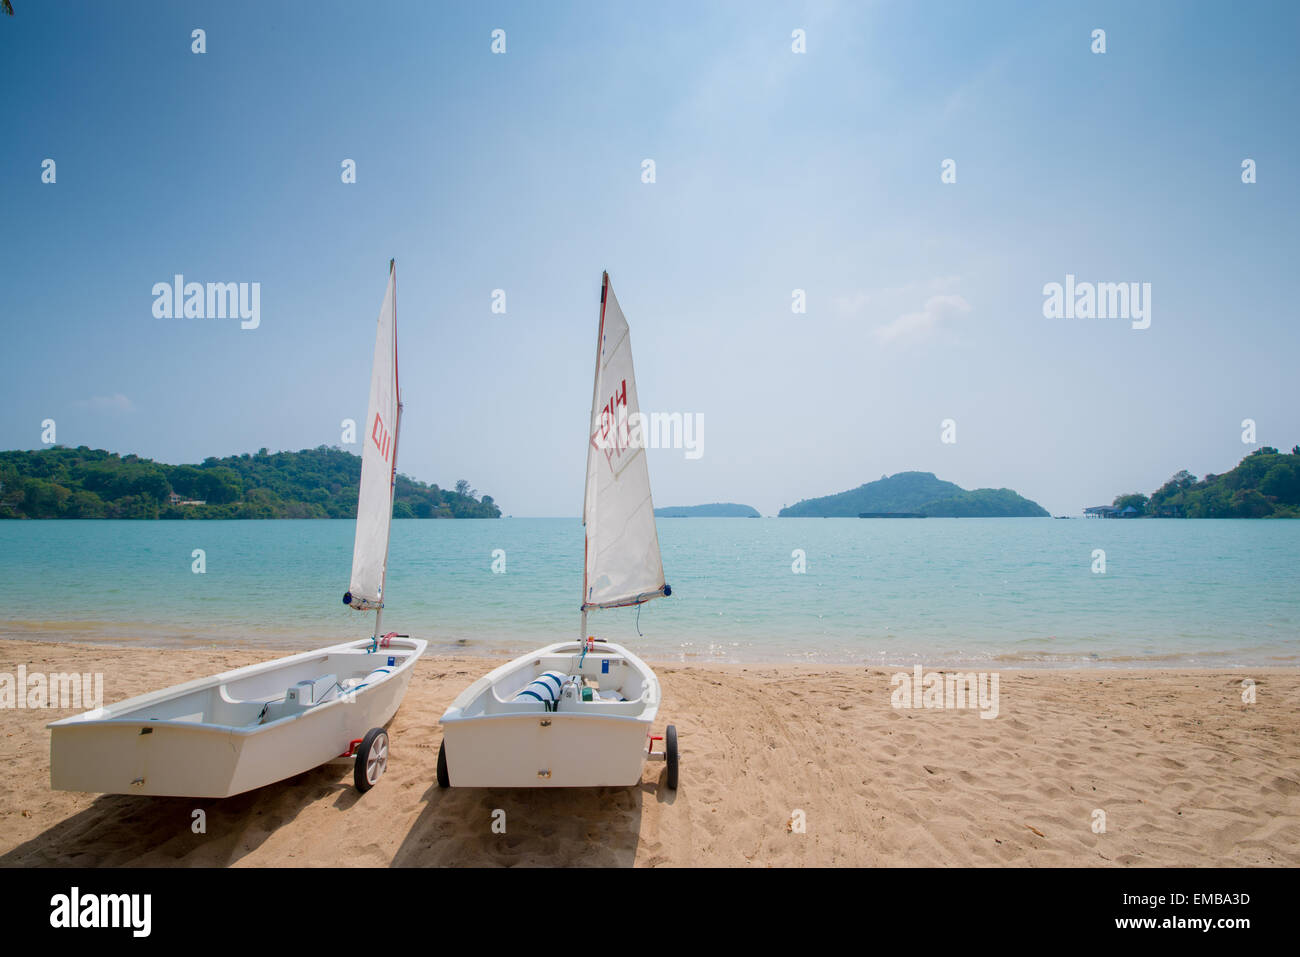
492	739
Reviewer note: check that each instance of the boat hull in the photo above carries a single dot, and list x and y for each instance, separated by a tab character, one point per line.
142	746
555	752
549	749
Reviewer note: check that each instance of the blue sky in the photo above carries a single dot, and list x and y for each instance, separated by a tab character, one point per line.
775	171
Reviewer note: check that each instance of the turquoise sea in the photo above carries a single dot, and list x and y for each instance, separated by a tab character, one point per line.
1015	592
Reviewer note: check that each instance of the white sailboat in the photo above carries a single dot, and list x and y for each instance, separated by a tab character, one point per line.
230	733
580	713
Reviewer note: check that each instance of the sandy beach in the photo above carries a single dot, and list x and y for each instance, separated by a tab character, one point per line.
1185	773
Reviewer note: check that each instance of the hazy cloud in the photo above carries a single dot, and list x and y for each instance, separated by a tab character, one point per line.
918	326
858	304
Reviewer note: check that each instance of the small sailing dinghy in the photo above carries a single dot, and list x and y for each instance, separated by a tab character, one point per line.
220	736
580	713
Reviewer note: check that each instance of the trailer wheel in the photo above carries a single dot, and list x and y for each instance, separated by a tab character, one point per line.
371	760
670	752
444	780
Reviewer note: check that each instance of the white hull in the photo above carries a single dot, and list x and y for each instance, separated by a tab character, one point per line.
494	741
233	732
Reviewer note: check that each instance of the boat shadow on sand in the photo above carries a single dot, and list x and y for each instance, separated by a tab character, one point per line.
120	830
543	827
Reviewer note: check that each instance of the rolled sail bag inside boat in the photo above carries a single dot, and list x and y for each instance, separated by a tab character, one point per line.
544	688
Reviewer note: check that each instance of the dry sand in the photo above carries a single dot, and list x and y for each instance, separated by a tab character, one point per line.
1186	773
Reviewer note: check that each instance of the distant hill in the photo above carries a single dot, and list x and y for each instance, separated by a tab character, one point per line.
985	503
716	510
60	482
1265	484
919	492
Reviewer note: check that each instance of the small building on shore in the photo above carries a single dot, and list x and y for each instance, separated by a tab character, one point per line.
1101	511
1110	511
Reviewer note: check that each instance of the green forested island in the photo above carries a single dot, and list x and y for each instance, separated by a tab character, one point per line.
59	482
1265	484
714	510
920	493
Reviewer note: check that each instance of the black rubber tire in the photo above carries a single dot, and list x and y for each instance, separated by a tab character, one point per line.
670	753
375	744
444	780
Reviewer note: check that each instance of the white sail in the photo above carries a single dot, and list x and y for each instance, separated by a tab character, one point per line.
623	566
378	463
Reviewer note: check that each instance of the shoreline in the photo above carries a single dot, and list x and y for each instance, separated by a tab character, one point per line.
288	642
1185	773
469	654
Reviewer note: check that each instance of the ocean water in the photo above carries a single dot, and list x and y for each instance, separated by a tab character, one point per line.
1010	592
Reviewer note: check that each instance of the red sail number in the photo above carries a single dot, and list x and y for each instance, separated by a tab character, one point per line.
611	427
381	437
